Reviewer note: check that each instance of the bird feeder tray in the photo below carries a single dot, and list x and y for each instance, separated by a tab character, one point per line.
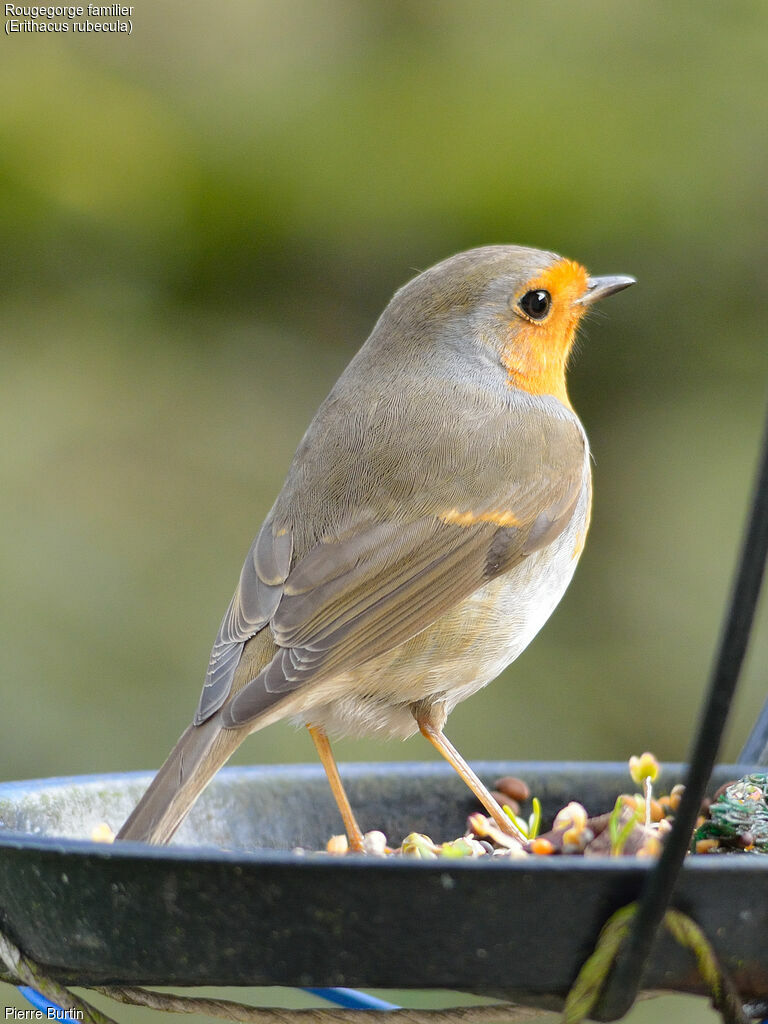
231	901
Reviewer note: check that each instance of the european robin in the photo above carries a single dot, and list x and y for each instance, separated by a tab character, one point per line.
431	520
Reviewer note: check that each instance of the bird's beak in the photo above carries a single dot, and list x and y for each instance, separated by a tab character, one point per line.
599	287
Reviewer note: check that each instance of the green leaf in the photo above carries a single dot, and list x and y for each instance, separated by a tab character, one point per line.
534	822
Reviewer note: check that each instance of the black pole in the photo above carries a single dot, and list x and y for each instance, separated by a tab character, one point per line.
625	979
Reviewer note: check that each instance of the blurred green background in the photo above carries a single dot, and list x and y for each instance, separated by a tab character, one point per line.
199	225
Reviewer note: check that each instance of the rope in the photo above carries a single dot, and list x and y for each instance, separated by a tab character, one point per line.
227	1010
581	1000
21	970
26	972
591	979
725	998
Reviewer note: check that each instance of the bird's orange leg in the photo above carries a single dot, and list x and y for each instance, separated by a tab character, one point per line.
353	830
454	758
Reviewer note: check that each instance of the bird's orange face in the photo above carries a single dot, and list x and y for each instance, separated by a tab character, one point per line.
541	328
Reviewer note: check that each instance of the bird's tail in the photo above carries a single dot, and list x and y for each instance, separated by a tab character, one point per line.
190	766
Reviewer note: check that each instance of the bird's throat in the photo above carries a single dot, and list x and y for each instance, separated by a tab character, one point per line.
538	376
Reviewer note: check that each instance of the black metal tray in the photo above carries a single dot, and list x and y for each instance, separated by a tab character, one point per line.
229	903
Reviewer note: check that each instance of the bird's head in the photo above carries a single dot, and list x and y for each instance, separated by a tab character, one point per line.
537	328
524	304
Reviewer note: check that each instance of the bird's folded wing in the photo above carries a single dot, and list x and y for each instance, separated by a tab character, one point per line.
352	599
258	594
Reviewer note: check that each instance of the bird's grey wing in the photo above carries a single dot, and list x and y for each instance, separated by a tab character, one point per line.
255	601
352	598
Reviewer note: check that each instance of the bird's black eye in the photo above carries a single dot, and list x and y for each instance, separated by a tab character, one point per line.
536	304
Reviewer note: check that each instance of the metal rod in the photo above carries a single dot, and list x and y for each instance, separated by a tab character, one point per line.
625	979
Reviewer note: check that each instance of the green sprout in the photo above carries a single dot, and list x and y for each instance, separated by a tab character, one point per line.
644	771
620	831
529	828
534	822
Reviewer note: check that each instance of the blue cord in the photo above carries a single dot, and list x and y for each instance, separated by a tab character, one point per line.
349	998
38	1000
